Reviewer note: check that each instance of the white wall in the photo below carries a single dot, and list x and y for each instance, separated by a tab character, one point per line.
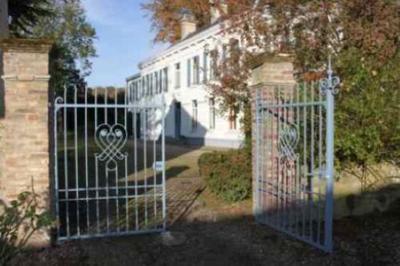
222	135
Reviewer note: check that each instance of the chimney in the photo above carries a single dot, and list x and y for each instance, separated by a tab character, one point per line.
188	24
4	31
218	8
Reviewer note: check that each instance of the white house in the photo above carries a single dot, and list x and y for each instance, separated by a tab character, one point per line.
182	73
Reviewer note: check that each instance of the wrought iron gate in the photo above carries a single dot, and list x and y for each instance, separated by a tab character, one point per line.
294	159
109	179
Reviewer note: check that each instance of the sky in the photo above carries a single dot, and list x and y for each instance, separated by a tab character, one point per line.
124	38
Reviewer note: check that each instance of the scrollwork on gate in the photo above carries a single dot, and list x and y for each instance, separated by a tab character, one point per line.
288	140
111	139
331	83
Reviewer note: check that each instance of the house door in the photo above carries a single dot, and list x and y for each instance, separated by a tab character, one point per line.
178	120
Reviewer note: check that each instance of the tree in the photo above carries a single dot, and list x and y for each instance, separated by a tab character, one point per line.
165	15
64	22
363	38
26	14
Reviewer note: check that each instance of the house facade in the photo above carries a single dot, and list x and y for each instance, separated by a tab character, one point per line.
181	76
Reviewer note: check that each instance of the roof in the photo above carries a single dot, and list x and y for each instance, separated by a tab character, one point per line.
183	42
132	77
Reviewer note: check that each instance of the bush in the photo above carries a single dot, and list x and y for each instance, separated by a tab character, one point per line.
18	222
227	174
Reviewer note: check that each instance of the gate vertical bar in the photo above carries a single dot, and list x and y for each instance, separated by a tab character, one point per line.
56	176
126	110
76	161
116	170
164	188
66	181
96	164
86	162
257	181
135	112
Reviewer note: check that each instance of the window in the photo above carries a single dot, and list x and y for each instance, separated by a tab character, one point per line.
131	91
224	56
224	52
157	83
165	79
194	115
189	73
151	84
147	85
137	90
232	119
143	86
196	70
134	90
213	64
212	113
154	82
234	45
177	75
205	66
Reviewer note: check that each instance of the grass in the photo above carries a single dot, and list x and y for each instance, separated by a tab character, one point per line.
79	168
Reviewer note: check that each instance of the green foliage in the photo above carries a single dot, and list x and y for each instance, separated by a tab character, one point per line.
165	16
18	222
228	174
368	111
26	14
65	23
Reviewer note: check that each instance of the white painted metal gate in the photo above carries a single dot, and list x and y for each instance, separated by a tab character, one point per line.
294	159
109	169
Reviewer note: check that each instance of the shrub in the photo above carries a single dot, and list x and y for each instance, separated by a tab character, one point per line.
18	222
227	174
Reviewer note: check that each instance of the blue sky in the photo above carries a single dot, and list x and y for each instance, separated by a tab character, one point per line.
124	39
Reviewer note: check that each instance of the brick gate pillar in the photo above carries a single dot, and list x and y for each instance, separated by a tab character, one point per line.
268	73
24	135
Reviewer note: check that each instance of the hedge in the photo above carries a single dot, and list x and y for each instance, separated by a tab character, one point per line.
227	174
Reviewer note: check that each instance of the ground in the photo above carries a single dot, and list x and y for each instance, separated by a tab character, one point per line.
203	230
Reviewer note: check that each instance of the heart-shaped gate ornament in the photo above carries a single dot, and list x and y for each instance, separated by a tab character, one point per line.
288	139
111	139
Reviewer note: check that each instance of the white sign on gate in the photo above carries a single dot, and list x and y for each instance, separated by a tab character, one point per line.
158	166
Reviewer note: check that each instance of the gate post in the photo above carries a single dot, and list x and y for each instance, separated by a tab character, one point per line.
329	87
24	132
267	70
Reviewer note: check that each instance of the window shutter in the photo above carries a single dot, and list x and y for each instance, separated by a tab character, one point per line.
188	72
196	62
165	79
